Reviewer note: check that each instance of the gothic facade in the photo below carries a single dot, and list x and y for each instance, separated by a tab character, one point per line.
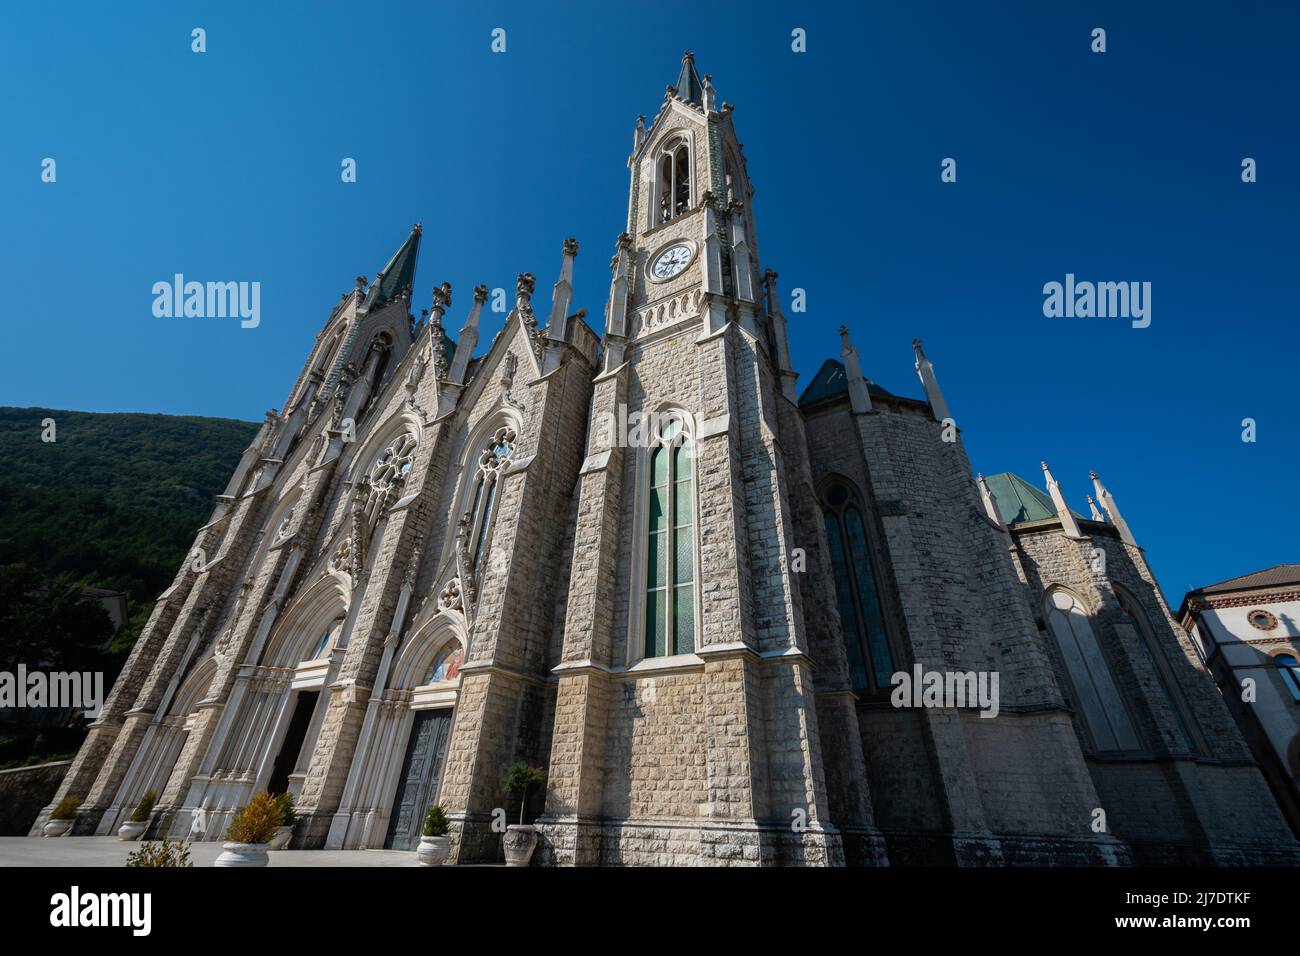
644	561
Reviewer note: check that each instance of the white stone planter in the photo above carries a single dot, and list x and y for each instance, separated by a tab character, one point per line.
519	842
131	830
282	837
433	850
56	828
243	854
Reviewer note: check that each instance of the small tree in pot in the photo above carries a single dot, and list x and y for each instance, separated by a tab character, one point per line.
520	839
284	832
138	821
250	833
435	845
62	817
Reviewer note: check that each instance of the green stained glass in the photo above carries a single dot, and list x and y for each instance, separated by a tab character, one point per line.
873	619
683	556
484	529
656	624
682	460
658	509
844	601
683	619
659	467
682	504
657	560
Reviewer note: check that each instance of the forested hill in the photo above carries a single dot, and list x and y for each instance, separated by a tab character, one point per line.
114	501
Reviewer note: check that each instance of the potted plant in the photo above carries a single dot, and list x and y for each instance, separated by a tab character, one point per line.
284	832
138	821
250	833
520	839
61	817
435	845
160	854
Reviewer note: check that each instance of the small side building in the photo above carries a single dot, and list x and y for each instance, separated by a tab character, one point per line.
1247	629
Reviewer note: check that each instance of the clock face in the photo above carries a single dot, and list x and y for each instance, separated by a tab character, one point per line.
671	261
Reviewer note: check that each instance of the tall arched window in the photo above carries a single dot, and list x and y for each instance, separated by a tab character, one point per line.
1095	696
325	643
871	663
1289	668
670	545
1160	663
476	526
674	174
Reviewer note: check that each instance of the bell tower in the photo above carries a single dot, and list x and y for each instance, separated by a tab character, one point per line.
689	250
685	707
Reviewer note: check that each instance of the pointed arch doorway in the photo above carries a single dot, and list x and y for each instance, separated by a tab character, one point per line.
417	786
426	749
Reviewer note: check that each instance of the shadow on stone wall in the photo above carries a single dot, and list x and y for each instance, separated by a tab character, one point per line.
24	791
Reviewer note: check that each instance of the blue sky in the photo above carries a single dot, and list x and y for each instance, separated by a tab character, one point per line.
1119	166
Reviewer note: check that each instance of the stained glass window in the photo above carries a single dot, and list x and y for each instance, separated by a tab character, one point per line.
326	641
857	594
670	547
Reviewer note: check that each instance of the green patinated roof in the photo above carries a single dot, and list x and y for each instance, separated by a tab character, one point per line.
832	380
1019	501
400	271
688	83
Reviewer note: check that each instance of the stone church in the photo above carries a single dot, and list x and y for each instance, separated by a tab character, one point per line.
634	553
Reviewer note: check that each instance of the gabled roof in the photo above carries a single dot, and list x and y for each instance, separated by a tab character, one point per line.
1279	575
1018	501
688	85
831	381
400	271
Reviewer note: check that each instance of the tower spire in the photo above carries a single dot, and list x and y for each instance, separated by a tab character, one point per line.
925	369
398	276
1068	524
688	85
1112	510
859	397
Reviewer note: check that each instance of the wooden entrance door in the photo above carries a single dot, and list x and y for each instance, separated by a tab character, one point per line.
418	783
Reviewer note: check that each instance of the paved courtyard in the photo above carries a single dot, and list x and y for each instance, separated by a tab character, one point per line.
110	851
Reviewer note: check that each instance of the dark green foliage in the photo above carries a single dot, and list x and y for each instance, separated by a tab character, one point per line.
145	807
49	624
284	803
115	500
435	822
521	778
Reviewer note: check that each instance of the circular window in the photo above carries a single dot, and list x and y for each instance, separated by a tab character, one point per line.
837	495
1261	620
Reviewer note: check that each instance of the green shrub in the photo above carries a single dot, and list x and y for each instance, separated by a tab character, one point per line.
256	821
66	809
284	803
160	854
521	778
435	822
145	807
